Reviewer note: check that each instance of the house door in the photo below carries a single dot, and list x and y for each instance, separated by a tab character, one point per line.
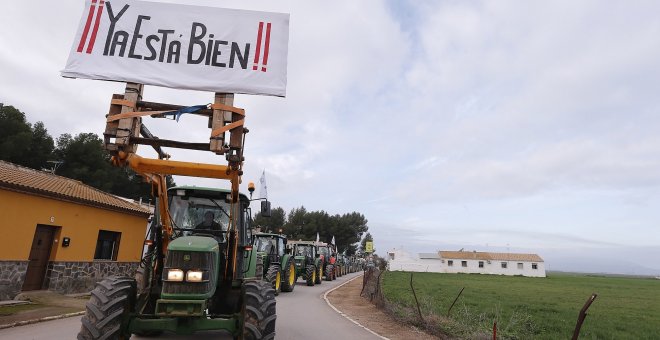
39	256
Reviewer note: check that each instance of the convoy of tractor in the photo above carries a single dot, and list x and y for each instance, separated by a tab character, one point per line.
204	268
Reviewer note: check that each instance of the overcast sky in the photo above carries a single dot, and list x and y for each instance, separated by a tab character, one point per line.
529	126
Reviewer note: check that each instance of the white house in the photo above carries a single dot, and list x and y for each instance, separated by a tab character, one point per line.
400	260
468	262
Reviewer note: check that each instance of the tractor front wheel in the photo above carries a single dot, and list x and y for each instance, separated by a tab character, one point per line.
310	275
107	309
273	276
289	276
259	311
319	275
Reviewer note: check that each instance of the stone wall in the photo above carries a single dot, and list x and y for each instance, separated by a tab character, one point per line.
80	277
12	275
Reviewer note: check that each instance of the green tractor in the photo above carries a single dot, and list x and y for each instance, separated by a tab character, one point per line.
197	275
279	265
308	262
328	260
342	265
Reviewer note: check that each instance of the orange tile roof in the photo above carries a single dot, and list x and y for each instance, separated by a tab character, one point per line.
478	255
21	179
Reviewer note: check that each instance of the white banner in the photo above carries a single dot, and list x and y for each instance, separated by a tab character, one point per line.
181	46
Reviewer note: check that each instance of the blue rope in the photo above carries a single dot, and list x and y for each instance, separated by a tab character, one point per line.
190	109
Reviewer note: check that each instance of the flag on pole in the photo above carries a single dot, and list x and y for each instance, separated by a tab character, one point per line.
333	240
263	188
317	237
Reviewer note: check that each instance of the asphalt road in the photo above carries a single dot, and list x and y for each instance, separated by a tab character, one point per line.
302	314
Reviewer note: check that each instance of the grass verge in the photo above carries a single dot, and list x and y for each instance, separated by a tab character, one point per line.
524	308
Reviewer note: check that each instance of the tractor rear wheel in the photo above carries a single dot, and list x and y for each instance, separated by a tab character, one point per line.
329	272
274	277
107	309
289	276
259	311
310	275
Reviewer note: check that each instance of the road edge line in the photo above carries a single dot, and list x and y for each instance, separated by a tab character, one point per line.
47	318
325	297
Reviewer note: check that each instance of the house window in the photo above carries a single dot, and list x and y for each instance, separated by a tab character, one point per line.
463	263
535	266
481	264
450	263
504	265
107	245
520	265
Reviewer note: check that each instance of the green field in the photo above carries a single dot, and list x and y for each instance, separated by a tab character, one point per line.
539	308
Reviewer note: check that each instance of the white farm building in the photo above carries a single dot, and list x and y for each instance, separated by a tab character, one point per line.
470	262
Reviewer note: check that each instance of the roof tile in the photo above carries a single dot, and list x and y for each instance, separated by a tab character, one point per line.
19	178
478	255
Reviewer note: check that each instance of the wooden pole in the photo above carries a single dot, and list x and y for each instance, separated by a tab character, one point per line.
583	315
456	299
129	127
419	310
219	119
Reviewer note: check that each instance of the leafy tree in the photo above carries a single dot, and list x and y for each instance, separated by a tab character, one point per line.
363	243
295	223
85	159
20	142
347	229
273	223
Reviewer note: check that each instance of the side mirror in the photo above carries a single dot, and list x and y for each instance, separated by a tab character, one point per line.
265	208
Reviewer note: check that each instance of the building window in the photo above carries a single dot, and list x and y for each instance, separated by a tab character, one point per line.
463	263
450	263
504	265
107	245
520	265
535	266
481	264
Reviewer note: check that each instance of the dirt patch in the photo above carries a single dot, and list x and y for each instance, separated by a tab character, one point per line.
347	299
44	304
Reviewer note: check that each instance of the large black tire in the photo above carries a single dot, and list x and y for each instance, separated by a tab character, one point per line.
310	275
110	303
259	311
319	274
329	272
274	277
289	276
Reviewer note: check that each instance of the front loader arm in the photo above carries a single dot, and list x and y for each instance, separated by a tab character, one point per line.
122	136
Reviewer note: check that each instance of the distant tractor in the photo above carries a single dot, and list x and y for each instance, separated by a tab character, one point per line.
308	262
327	256
278	266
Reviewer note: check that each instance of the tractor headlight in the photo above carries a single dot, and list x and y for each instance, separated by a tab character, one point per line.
174	275
194	276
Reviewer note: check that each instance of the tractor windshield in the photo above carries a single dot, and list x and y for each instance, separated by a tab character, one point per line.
304	251
264	244
199	213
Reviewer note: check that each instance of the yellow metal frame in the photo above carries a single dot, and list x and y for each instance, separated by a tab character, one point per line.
152	171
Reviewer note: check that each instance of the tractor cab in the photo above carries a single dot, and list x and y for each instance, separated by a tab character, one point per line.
270	247
308	262
277	265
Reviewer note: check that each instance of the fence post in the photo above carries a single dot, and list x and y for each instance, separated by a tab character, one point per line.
419	310
583	315
456	299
